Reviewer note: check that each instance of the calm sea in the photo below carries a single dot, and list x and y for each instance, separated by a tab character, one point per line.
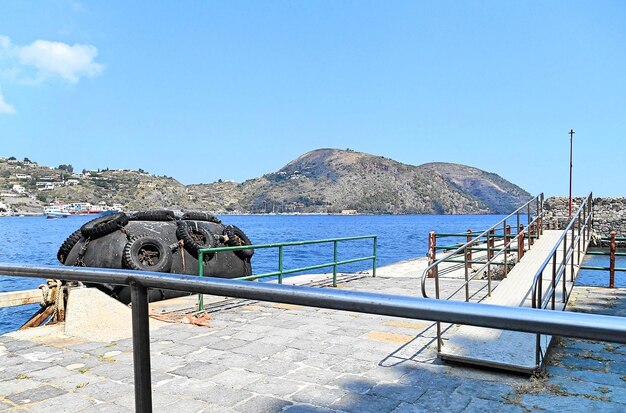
35	240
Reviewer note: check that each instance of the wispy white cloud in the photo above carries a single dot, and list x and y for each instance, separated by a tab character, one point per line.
5	107
48	60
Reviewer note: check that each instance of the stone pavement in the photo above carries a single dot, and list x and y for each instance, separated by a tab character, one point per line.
264	357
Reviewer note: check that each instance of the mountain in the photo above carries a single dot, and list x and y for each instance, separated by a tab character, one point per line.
323	180
332	180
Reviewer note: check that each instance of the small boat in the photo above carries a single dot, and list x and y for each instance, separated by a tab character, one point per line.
52	213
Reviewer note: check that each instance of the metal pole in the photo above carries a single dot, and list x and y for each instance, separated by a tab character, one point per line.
280	264
612	261
432	252
374	254
334	263
468	252
200	274
141	348
571	144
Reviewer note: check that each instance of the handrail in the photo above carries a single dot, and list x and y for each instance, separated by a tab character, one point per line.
282	271
580	325
584	208
581	220
433	268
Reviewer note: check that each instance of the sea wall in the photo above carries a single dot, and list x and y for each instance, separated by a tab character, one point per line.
609	214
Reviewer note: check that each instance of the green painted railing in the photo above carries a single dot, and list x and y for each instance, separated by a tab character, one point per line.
281	270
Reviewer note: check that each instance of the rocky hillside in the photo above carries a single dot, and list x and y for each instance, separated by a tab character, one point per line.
331	180
324	180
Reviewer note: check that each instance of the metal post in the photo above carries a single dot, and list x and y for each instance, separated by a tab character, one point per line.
432	252
612	261
200	274
520	242
491	243
374	254
554	279
571	141
280	264
507	236
141	348
466	279
335	263
468	251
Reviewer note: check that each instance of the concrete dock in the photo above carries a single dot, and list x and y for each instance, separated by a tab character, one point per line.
265	357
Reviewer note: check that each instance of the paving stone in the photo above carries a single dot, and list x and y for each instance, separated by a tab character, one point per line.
107	408
353	383
306	408
186	406
312	375
113	371
550	403
198	370
71	383
323	361
272	367
235	360
292	355
66	403
17	385
236	378
402	393
258	350
410	408
34	395
364	403
227	345
159	401
51	373
274	386
483	405
586	375
180	350
105	390
483	390
261	404
223	396
443	401
318	395
164	362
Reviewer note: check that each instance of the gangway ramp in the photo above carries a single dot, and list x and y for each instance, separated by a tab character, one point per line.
505	349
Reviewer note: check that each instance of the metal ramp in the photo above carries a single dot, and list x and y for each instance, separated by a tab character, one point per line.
543	277
510	350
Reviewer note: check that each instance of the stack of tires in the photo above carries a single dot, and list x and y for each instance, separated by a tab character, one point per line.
160	241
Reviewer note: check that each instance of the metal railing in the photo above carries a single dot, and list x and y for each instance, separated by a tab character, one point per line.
485	241
572	245
579	325
282	271
493	252
612	253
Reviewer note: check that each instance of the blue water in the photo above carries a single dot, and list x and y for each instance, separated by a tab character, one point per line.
597	278
35	240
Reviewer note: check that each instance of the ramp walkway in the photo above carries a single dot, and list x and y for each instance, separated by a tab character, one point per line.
511	350
542	277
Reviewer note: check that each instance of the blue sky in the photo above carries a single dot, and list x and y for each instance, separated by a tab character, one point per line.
202	90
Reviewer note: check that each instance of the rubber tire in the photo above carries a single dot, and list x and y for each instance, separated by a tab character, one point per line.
200	216
234	232
104	225
184	232
154	215
68	244
132	249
